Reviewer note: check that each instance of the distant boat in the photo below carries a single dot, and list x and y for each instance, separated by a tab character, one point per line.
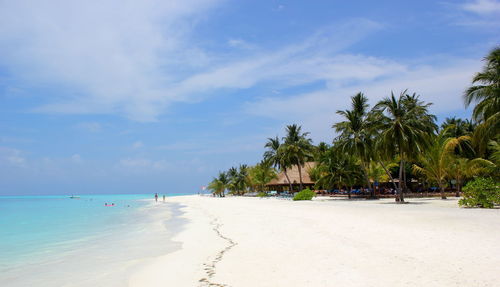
74	197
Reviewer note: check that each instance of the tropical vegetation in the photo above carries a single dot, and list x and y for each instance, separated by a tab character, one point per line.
393	147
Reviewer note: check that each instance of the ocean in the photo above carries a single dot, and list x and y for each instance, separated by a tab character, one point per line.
60	241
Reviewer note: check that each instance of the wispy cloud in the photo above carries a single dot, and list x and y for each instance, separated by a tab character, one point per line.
12	157
110	57
482	6
442	84
137	145
127	62
475	14
93	127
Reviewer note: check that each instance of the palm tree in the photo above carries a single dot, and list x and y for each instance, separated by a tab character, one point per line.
434	162
336	170
320	149
486	94
218	185
457	127
275	156
297	148
262	173
232	175
355	134
405	127
439	162
461	169
242	179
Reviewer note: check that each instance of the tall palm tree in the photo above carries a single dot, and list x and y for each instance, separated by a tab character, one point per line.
218	185
355	134
461	169
485	92
274	155
336	170
242	179
232	175
297	148
405	127
262	173
434	162
320	149
457	127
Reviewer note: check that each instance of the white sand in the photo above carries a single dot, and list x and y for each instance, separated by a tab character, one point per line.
273	242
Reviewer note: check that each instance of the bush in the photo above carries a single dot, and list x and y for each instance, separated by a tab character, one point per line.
481	192
305	194
262	194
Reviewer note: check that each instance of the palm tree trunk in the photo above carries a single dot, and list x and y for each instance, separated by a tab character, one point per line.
399	193
349	192
365	171
288	179
405	188
441	187
388	174
459	187
300	176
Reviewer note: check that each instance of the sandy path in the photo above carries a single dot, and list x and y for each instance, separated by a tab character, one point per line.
271	242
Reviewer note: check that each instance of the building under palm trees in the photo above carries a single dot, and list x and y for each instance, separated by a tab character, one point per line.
281	184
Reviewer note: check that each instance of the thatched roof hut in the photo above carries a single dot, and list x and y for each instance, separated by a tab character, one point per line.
280	183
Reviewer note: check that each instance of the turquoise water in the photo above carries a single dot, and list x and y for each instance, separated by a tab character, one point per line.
44	234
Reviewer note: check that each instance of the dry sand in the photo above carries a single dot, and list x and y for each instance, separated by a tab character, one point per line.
272	242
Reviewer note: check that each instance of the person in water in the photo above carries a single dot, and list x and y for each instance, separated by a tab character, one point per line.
164	197
156	197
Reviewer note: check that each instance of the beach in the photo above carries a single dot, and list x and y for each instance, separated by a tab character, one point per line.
58	241
243	241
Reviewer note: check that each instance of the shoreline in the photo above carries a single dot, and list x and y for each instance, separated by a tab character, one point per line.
238	241
126	246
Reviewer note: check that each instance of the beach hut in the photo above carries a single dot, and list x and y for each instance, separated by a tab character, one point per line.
281	184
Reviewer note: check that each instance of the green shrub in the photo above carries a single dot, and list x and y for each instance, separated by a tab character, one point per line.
262	194
481	192
305	194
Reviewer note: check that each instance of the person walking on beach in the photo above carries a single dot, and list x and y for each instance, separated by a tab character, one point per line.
164	198
156	197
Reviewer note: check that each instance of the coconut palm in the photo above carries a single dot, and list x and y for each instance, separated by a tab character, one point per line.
461	169
336	170
485	92
262	173
405	127
434	162
297	148
275	156
218	185
457	127
439	161
320	149
355	134
241	180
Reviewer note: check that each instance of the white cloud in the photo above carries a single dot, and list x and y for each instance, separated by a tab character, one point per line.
93	127
241	44
76	158
138	59
479	14
291	65
482	6
442	84
137	145
107	56
143	164
12	157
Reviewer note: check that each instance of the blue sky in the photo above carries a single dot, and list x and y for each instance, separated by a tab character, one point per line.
158	96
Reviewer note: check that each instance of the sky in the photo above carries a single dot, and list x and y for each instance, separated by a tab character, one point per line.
153	96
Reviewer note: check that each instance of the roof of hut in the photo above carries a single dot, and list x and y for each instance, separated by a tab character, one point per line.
293	174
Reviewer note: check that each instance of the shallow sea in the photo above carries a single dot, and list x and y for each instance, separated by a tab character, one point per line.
59	241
